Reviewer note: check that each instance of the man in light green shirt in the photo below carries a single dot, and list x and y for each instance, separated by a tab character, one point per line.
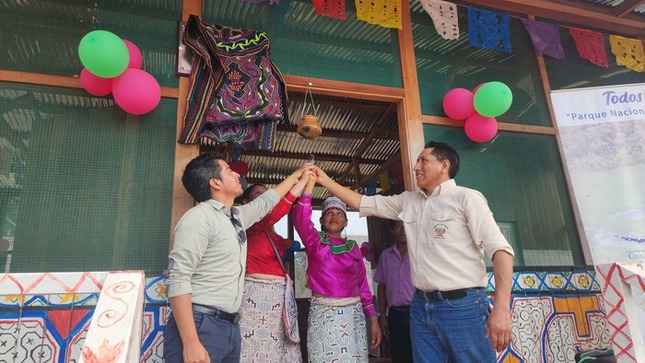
207	262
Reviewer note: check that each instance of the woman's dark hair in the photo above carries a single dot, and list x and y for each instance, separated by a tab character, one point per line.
247	192
443	151
199	172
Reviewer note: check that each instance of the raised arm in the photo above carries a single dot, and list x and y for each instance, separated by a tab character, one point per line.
297	188
347	195
292	179
302	217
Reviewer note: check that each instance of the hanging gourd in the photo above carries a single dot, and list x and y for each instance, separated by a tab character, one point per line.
309	128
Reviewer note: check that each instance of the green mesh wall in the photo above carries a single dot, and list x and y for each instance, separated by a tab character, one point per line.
43	36
446	64
84	186
574	72
522	177
306	44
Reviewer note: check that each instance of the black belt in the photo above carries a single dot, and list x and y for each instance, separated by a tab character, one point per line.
230	317
400	308
443	295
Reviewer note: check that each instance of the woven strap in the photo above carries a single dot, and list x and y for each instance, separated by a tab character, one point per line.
275	250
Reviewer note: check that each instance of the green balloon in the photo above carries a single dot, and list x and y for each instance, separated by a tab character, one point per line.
493	99
104	54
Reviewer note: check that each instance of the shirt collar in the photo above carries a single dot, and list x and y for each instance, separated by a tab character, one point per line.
394	249
443	188
221	207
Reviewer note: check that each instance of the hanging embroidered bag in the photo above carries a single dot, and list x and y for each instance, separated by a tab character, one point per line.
289	306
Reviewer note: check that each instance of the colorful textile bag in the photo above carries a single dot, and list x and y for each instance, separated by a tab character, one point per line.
236	94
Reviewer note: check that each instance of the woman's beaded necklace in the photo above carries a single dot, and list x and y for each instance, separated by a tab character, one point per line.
338	249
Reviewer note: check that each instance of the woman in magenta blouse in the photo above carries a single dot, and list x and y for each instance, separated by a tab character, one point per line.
336	275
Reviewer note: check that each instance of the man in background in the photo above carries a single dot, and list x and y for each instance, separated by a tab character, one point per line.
395	292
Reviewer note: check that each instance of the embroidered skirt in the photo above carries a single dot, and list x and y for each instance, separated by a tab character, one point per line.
261	325
337	331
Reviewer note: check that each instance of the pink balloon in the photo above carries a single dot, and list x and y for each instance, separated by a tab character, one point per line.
136	58
458	103
136	91
95	85
476	88
480	128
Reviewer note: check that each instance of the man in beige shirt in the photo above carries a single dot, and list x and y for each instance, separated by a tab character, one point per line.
448	229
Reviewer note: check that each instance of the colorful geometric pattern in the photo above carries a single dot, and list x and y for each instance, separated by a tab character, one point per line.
48	336
555	314
37	325
554	329
236	93
337	333
261	325
68	284
532	282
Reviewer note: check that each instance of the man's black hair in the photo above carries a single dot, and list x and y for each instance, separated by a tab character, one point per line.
443	151
199	172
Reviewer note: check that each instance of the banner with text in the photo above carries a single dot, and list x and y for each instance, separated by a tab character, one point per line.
602	131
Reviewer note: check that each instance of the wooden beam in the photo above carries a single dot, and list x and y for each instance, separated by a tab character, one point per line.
409	109
305	156
620	10
340	134
502	126
344	89
626	7
40	79
546	86
61	81
588	5
181	200
271	182
344	103
557	11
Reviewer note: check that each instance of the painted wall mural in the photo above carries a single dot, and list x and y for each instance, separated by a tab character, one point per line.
555	314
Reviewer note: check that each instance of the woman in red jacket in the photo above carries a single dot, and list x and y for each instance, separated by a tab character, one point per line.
261	325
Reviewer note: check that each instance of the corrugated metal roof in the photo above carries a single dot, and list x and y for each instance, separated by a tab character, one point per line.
358	138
